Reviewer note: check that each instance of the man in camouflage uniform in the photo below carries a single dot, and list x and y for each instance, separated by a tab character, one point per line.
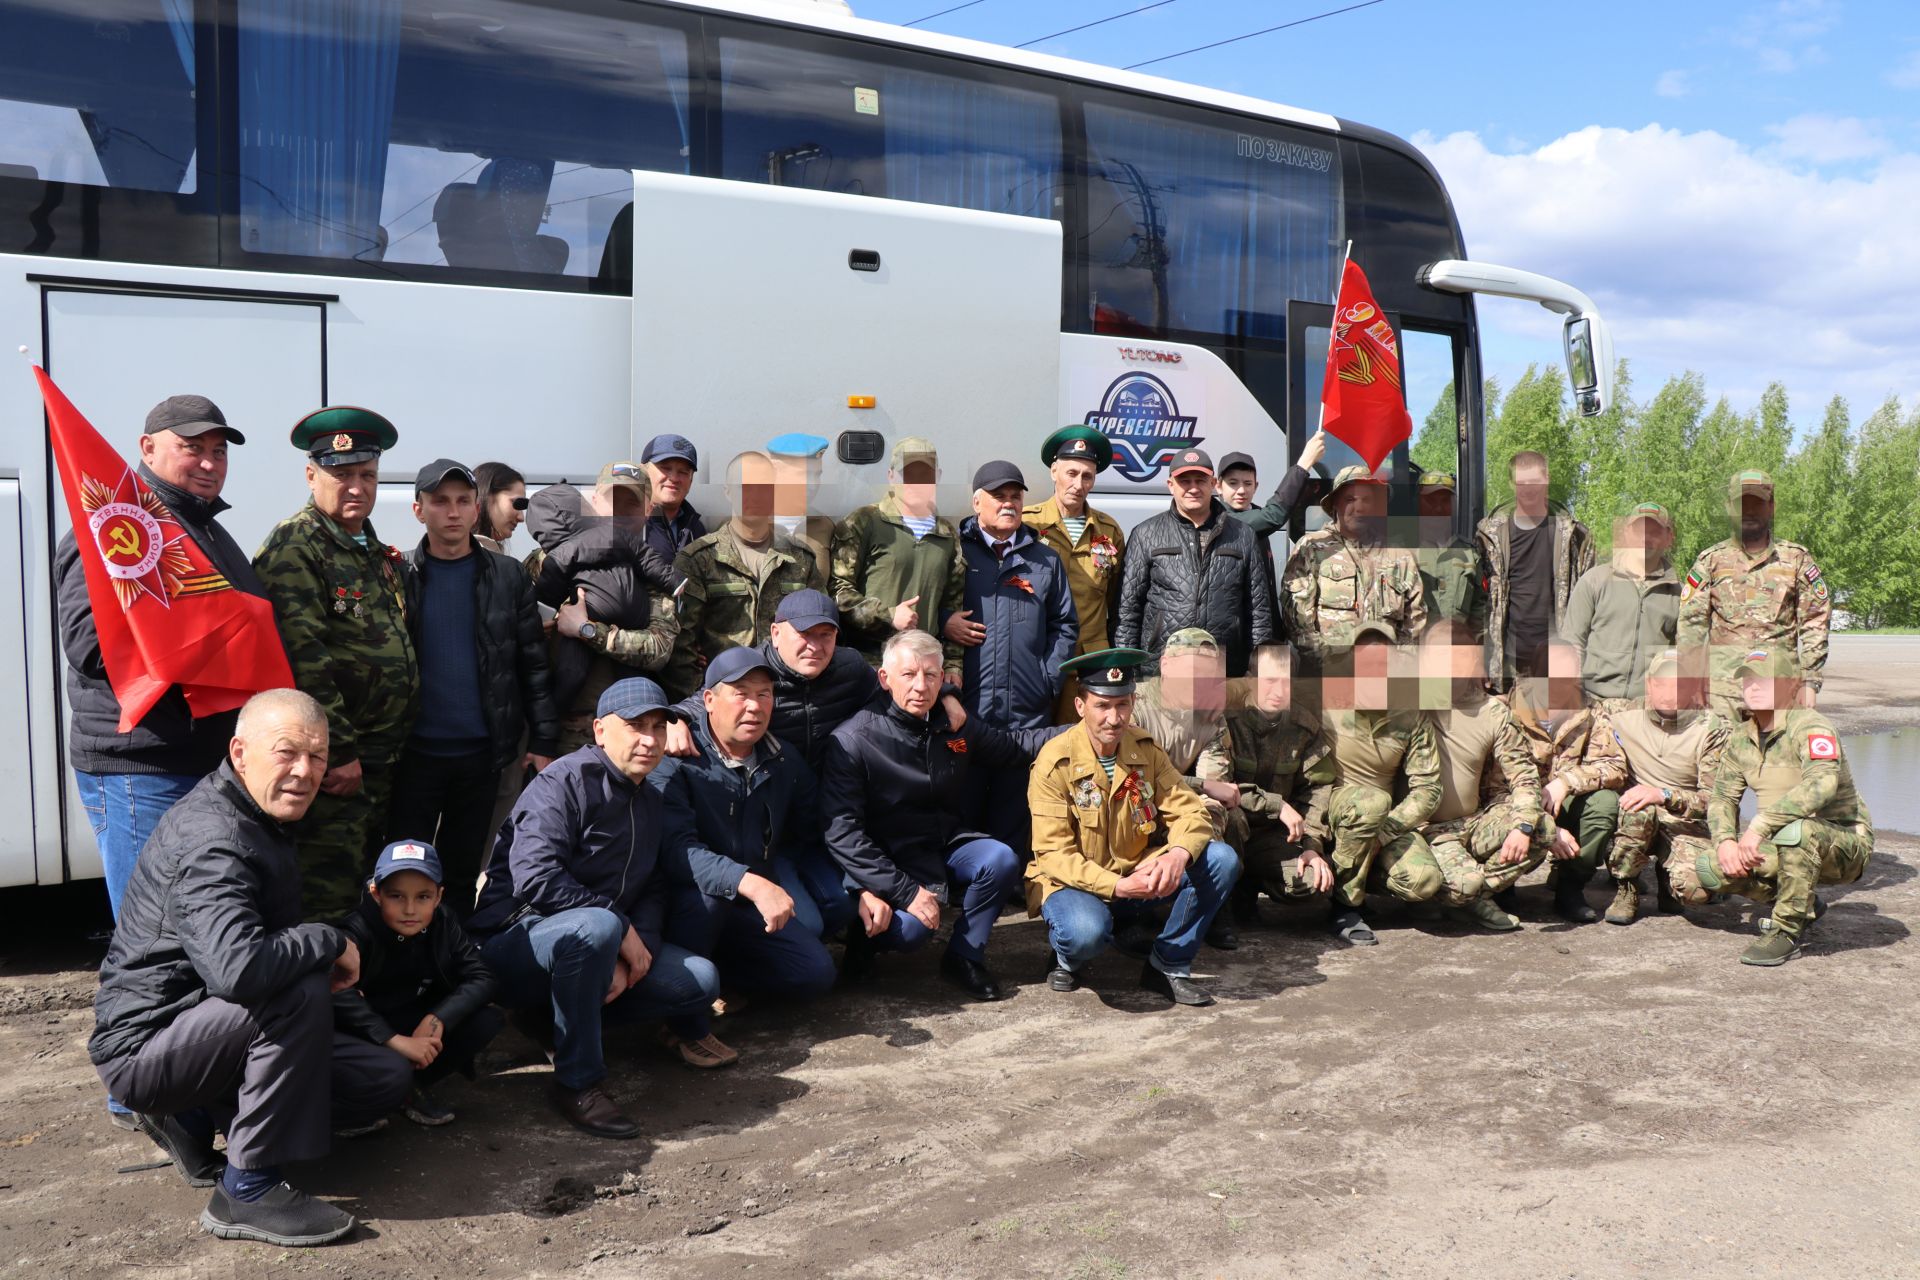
1532	551
1754	591
1088	542
1488	829
1450	571
737	577
1582	769
1672	747
1276	759
1379	750
339	599
1343	575
1810	827
897	562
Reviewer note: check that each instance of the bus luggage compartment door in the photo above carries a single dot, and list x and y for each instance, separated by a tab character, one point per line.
16	784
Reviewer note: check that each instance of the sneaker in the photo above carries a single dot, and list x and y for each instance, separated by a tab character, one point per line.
1625	907
361	1130
285	1217
421	1108
706	1053
1484	913
196	1159
1774	947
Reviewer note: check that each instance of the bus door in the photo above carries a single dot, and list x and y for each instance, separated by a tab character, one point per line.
117	351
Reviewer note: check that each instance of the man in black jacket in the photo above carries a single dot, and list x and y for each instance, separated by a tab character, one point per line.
483	681
893	785
214	1010
1193	565
128	780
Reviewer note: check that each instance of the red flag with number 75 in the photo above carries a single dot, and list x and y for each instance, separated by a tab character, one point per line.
1360	401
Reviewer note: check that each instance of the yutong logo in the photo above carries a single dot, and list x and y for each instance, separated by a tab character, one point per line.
1139	415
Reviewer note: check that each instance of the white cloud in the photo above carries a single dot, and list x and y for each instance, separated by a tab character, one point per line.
1906	73
1708	254
1781	35
1823	139
1672	84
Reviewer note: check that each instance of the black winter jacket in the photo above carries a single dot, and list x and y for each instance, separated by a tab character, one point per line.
893	792
515	688
806	712
168	739
438	966
1177	576
732	821
213	909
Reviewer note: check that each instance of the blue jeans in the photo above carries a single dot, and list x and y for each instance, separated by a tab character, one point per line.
1080	924
564	963
733	934
123	809
821	903
981	874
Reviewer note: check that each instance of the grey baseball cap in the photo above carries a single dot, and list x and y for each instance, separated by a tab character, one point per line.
189	416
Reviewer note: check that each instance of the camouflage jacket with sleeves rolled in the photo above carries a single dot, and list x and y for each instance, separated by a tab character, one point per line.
878	563
1090	833
1679	756
1795	770
1274	758
1581	748
1734	602
1391	751
341	609
724	604
1333	584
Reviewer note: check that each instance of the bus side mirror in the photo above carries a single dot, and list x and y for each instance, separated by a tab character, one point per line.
1582	369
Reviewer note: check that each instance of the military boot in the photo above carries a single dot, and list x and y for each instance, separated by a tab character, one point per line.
1485	913
1775	947
1570	899
1669	902
1626	902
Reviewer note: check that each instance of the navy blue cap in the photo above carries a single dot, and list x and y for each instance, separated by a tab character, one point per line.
408	855
632	698
797	444
992	475
730	664
805	609
662	447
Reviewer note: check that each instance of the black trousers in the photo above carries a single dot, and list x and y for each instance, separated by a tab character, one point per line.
459	1044
447	801
275	1076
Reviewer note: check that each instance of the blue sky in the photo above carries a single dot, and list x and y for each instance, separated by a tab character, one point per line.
1736	184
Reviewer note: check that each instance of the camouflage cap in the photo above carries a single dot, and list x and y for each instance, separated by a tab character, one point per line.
1438	480
1664	663
1652	511
1347	475
628	474
1749	479
1776	663
1190	638
1374	631
910	448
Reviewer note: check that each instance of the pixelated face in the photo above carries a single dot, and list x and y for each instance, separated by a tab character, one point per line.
626	505
1756	514
794	480
344	494
1106	717
1372	659
1361	511
740	711
1193	680
450	512
1530	485
1663	694
197	464
1238	486
1762	692
998	511
634	746
912	682
407	900
750	486
1558	691
1436	503
808	652
914	483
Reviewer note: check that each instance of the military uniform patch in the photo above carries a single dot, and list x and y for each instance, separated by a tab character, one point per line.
1823	746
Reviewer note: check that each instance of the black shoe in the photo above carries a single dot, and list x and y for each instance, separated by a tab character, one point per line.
1221	936
285	1217
1135	939
193	1156
1571	905
1351	927
972	977
1178	990
1508	900
424	1109
1245	903
1061	978
593	1111
858	962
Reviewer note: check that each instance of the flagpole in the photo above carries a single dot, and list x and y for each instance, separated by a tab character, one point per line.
1337	282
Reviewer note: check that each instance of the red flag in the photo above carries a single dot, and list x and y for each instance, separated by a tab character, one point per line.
1360	401
164	614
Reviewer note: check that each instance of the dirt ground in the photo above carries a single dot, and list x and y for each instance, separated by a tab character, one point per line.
1560	1102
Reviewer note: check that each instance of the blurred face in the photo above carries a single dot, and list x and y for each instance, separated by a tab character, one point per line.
281	762
1272	680
1237	487
1361	512
1663	695
794	480
1194	680
502	514
672	477
999	511
1559	690
750	487
739	711
1372	658
450	512
1192	493
1764	693
1756	516
1105	717
913	683
197	464
634	746
344	495
1436	503
624	503
808	652
914	484
1072	482
407	900
1530	490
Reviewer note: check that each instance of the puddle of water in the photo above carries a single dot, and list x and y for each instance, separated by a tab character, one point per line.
1886	768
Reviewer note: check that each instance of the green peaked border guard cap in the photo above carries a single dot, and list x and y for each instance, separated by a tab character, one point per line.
342	434
1080	442
1107	672
1348	475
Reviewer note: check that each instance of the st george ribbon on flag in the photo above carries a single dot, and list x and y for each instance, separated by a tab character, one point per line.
1361	401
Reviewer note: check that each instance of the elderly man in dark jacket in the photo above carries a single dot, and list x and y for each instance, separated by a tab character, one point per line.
483	682
894	787
214	1009
1194	565
584	888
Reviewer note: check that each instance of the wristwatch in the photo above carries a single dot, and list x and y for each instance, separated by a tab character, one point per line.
590	632
1524	828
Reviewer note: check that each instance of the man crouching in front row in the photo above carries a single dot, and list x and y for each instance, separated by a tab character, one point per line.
1100	793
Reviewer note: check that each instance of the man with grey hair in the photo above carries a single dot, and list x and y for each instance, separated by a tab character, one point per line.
215	1011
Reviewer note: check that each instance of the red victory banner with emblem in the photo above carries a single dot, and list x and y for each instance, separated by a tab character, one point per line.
164	614
1360	401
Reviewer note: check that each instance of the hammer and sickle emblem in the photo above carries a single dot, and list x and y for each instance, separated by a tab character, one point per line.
126	543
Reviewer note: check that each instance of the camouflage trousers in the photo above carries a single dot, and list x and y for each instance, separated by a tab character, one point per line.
575	733
341	836
1654	834
1457	866
1269	860
1357	817
1803	854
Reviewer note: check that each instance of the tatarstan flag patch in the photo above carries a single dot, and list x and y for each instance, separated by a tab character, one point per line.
1693	584
1823	746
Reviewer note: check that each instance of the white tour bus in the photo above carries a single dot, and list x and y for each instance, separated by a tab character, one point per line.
545	232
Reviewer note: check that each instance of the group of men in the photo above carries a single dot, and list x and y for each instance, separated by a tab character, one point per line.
723	752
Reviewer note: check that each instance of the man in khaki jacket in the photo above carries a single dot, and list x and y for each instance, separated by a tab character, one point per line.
1104	799
1088	541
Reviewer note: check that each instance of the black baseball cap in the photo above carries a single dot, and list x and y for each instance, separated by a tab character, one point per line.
994	474
189	416
671	446
435	474
1233	460
1192	460
733	663
806	609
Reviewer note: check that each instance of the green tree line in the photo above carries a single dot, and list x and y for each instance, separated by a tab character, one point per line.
1849	494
